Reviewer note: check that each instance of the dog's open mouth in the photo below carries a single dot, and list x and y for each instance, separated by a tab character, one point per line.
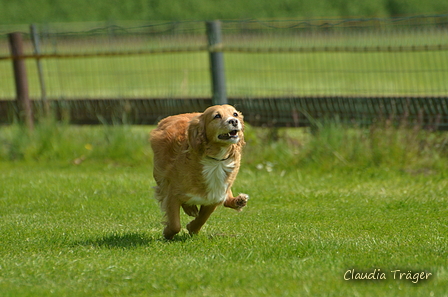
230	135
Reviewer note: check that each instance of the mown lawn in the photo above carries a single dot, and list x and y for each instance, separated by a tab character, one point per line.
94	230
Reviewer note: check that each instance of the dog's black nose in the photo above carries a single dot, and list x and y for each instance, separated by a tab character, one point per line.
233	122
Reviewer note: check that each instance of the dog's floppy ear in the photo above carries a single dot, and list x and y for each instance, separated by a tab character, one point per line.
196	134
242	142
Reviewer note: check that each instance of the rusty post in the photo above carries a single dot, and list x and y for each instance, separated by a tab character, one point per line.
21	80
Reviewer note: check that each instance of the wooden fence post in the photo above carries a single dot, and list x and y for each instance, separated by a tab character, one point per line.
21	81
216	63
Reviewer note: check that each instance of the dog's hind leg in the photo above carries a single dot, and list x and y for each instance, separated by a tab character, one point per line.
191	210
204	213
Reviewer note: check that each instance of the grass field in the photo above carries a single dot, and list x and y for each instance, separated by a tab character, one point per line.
316	213
94	230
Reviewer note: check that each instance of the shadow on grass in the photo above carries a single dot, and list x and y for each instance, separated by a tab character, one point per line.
130	240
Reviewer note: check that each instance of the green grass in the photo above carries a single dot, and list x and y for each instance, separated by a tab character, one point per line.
333	146
343	198
251	75
94	230
52	141
336	74
152	76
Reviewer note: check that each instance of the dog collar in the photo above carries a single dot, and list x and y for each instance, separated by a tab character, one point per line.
220	160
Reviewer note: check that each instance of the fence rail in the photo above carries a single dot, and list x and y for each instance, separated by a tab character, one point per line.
278	72
430	112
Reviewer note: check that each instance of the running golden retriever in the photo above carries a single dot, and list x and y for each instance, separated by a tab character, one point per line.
196	160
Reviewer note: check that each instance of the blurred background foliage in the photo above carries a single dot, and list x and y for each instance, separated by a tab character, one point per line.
47	11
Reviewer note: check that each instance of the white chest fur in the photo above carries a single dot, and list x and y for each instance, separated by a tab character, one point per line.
215	175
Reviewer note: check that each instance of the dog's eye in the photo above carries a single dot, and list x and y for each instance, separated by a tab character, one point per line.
217	116
235	114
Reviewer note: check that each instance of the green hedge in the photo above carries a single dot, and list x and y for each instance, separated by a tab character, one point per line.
44	11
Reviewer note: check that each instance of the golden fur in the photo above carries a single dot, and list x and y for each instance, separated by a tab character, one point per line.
196	160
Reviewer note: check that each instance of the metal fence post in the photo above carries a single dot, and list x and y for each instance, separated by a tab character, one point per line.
218	76
36	44
21	81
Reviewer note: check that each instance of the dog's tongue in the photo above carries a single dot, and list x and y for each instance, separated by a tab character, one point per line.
224	136
228	135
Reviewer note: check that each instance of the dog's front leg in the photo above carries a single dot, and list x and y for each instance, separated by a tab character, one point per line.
172	219
204	213
237	202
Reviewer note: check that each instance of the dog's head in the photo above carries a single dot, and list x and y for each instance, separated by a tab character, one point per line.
220	125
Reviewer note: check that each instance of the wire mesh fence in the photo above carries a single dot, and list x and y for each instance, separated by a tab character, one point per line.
357	57
279	72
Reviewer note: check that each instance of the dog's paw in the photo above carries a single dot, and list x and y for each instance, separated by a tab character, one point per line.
241	201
